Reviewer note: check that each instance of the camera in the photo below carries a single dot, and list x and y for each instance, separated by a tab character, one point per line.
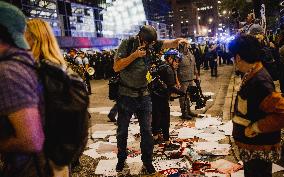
152	56
195	95
182	48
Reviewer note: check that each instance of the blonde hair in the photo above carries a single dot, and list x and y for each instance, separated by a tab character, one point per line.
44	45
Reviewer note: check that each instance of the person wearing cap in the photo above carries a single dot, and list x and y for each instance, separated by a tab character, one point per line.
160	96
269	54
255	29
132	62
258	111
21	131
186	73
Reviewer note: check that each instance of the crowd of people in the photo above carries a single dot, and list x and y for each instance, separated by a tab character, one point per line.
258	112
207	55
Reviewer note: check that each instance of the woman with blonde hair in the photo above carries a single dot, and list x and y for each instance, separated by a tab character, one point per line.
44	46
42	41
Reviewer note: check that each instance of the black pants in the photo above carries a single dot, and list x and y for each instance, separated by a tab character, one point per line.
258	168
198	67
205	64
88	84
213	67
161	116
113	111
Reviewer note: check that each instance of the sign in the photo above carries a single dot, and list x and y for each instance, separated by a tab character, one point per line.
86	42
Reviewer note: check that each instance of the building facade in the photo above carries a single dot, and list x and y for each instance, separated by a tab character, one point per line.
185	19
208	18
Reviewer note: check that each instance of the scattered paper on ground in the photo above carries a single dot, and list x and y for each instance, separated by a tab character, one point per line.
103	134
225	166
227	128
106	147
211	136
206	122
276	168
92	153
239	173
208	93
106	167
213	148
185	132
176	114
99	109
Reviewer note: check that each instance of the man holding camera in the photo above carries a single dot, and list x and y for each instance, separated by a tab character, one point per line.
132	62
186	72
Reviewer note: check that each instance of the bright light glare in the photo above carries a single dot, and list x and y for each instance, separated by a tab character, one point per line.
122	16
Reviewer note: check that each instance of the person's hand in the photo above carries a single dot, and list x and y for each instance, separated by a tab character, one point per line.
140	52
197	77
249	132
178	86
271	45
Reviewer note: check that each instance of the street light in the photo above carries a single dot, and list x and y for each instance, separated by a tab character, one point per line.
199	17
204	30
210	20
224	12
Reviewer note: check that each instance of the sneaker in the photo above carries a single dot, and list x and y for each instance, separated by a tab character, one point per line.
149	168
171	147
120	165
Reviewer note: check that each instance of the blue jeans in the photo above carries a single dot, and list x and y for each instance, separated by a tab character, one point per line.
142	106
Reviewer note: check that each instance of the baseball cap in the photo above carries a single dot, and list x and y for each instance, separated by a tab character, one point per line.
148	33
255	29
15	21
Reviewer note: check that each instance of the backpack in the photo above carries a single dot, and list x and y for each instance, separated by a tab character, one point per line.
114	82
66	110
270	64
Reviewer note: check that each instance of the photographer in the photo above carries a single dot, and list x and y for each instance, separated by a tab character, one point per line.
132	61
186	72
165	80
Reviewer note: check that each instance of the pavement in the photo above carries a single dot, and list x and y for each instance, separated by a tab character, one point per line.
223	87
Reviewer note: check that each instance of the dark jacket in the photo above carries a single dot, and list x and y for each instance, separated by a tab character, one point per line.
248	107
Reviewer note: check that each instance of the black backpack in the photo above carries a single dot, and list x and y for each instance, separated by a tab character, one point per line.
270	64
114	82
66	110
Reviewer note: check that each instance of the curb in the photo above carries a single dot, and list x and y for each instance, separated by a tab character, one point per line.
229	109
